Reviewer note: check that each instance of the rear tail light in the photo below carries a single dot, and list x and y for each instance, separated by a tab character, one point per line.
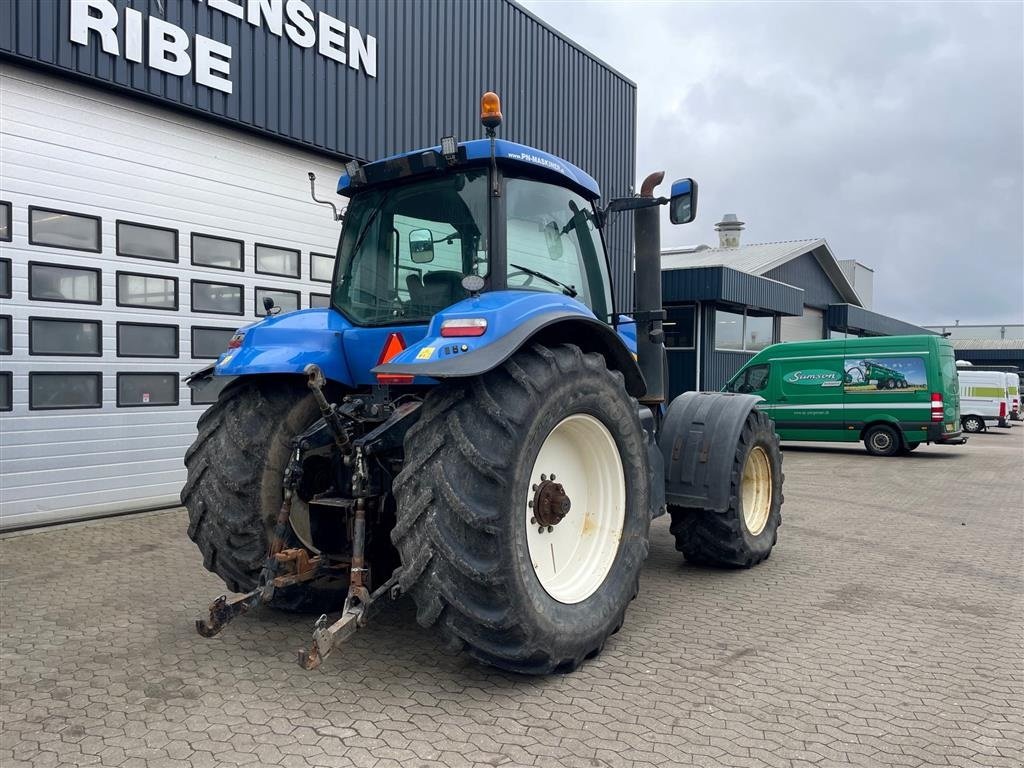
236	341
1002	410
464	326
937	406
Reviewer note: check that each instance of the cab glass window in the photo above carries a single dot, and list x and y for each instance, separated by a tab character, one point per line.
553	245
404	251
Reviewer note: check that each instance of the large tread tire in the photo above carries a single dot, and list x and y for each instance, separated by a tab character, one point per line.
233	491
706	537
461	497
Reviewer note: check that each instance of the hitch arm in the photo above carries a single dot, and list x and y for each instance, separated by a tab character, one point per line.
355	614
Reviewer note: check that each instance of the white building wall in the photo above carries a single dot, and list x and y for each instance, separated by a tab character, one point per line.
809	325
82	150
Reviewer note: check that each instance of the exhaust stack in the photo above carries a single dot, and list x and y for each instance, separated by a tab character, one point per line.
650	337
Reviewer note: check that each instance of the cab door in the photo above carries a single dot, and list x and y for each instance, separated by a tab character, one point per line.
809	403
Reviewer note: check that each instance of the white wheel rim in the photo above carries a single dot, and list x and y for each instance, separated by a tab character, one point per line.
757	490
572	560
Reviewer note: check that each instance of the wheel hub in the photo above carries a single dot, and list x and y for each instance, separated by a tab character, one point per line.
550	503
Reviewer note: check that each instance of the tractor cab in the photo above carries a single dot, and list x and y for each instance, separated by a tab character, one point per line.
430	228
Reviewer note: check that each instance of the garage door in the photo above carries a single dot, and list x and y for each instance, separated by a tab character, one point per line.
134	241
809	326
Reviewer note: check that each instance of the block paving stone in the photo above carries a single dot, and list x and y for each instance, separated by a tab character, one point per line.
886	630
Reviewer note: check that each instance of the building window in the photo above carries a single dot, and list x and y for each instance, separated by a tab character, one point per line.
319	300
51	336
147	340
217	298
62	229
6	392
6	335
6	227
54	282
5	278
757	332
288	301
144	241
679	327
271	260
147	291
210	343
321	267
218	252
741	331
210	391
146	389
61	390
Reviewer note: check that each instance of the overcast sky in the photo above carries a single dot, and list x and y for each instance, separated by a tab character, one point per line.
895	131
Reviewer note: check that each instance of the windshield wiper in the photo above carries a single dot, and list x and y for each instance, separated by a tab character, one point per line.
568	290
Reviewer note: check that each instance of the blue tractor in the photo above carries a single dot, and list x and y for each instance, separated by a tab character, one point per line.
470	423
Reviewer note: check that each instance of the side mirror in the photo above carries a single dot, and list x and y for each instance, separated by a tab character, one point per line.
553	240
682	205
268	305
421	246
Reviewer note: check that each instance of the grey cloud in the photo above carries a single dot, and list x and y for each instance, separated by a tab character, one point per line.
896	131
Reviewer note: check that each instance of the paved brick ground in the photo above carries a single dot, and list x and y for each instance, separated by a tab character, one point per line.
887	629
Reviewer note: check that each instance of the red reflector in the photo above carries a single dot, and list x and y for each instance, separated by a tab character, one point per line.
470	326
236	341
392	347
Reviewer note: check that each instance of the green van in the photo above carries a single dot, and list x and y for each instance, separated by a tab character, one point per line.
892	392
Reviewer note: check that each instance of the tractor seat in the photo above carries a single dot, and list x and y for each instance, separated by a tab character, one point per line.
436	290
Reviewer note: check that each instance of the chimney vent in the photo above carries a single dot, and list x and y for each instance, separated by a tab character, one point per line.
729	229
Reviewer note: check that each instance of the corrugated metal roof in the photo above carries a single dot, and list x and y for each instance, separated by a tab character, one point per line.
987	343
756	258
759	258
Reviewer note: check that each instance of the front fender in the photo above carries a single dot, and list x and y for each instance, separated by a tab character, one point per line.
288	343
514	318
698	443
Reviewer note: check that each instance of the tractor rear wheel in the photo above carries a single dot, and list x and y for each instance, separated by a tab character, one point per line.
233	491
523	510
744	534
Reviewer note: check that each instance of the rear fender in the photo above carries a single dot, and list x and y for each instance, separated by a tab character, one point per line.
286	344
698	444
515	319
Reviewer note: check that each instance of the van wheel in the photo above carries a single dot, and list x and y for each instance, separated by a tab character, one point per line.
972	424
882	440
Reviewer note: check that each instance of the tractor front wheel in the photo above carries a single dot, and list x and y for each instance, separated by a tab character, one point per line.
744	534
523	510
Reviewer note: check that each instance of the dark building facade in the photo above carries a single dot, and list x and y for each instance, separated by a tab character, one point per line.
725	304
